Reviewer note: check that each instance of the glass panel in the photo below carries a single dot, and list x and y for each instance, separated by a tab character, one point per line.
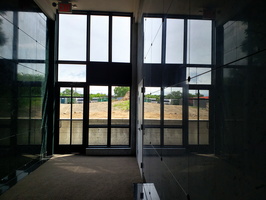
121	39
204	132
36	108
97	136
26	46
174	41
99	38
77	115
120	136
173	106
203	105
98	107
203	117
152	106
77	131
193	117
64	131
173	136
152	40
199	42
152	136
71	73
30	72
193	132
120	105
24	131
64	117
72	37
6	36
35	133
24	107
199	75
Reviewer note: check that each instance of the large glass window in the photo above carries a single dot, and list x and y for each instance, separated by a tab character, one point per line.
71	73
98	109
99	38
86	54
109	111
199	42
198	117
72	37
121	39
152	109
71	115
174	41
173	106
152	40
199	76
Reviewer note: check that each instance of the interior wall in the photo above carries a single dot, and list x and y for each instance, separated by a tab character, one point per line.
22	84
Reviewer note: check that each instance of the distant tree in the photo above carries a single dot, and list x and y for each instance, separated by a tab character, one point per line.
66	92
153	96
121	91
195	95
30	77
99	95
174	95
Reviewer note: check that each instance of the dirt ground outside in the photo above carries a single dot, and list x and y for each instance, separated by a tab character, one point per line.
99	110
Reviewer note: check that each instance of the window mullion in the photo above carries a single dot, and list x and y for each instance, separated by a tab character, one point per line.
110	38
163	40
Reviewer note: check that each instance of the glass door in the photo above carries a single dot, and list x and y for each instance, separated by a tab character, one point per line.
71	108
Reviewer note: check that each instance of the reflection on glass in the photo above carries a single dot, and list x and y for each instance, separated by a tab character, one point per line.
198	117
173	106
174	41
199	42
173	136
152	136
200	76
203	117
24	107
6	44
26	46
152	40
35	134
99	38
120	105
98	136
204	132
72	37
152	106
23	126
98	107
71	73
120	136
121	39
36	108
30	72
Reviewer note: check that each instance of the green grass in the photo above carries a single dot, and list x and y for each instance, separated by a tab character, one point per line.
123	105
